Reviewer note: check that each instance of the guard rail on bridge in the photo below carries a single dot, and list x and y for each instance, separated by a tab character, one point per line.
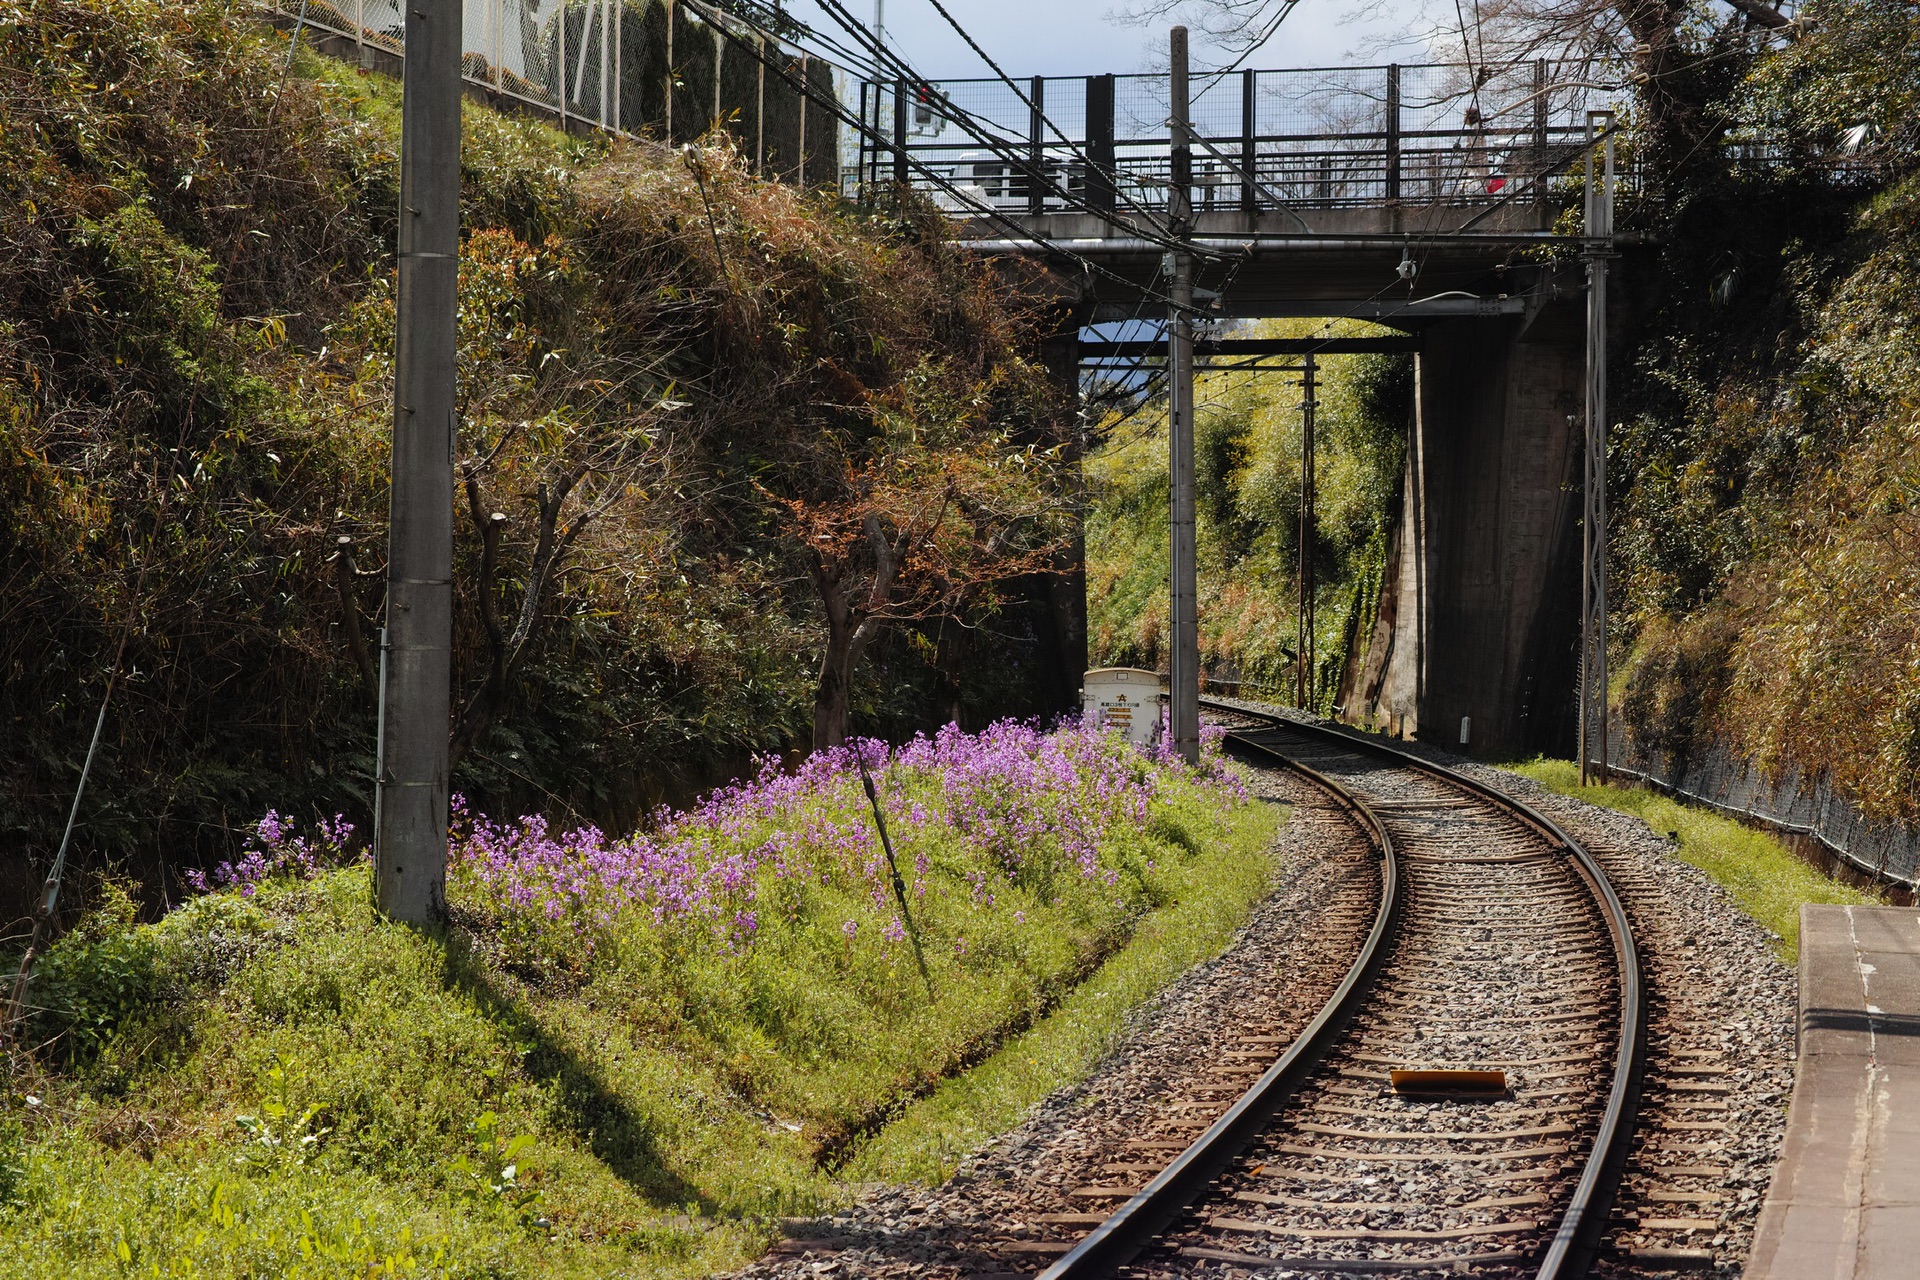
1323	138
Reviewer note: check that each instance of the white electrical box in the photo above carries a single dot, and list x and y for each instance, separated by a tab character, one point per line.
1125	699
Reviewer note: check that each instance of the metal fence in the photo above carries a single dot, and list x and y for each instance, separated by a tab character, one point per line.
1315	138
630	67
1796	806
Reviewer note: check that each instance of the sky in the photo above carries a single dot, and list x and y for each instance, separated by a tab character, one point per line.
1082	37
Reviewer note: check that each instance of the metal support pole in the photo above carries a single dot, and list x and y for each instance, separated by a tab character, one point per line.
1100	144
1248	187
863	169
760	112
560	64
1304	659
1593	581
1184	660
671	6
1393	132
900	170
1036	139
800	148
619	68
1541	80
410	843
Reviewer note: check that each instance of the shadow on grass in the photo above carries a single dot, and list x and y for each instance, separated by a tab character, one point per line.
620	1137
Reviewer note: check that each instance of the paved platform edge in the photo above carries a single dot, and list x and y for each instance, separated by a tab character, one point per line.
1845	1197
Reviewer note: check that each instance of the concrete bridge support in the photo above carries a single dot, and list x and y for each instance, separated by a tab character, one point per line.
1479	611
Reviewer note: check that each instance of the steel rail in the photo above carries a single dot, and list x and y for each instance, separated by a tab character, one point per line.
1149	1212
1577	1239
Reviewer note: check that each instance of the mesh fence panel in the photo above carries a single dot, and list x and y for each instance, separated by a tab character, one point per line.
628	66
1800	806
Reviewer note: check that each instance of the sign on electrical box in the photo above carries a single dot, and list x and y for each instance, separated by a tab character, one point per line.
1126	699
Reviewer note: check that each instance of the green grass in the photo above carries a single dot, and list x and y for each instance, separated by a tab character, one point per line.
659	1110
928	1141
1765	877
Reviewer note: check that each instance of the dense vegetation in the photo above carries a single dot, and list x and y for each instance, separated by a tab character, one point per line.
623	1057
1247	435
1769	461
689	401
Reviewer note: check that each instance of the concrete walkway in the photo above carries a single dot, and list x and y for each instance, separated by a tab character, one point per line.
1845	1200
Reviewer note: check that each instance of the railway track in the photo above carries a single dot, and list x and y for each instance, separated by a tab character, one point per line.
1496	944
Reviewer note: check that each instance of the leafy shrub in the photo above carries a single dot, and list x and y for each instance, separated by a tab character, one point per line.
97	977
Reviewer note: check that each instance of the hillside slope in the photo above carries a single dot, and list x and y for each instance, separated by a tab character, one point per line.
195	338
1768	471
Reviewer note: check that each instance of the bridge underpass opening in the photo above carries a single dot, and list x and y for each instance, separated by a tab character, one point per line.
1424	199
1478	618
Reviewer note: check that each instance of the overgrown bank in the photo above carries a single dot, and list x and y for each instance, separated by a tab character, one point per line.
1768	461
624	1057
699	414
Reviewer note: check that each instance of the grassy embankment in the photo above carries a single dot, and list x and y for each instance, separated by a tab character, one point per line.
1767	879
622	1058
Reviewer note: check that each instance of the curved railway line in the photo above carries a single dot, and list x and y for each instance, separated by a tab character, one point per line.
1496	944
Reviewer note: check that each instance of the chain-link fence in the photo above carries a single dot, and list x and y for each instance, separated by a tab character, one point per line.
638	67
1794	805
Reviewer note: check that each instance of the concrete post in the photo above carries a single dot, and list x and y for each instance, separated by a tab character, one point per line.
410	843
1184	660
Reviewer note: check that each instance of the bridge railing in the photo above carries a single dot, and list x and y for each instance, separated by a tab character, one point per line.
1316	138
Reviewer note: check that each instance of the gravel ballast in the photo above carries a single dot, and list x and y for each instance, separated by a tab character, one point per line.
1719	994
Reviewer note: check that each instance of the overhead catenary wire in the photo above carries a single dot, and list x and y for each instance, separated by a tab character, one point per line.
881	140
1150	215
838	109
983	132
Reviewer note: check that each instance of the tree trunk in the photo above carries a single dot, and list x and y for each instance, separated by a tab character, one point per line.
830	695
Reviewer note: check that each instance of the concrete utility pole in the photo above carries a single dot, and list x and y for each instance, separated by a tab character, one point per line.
410	836
1593	580
1184	661
1303	665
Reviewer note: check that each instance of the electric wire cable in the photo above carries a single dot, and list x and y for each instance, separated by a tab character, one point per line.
983	132
838	109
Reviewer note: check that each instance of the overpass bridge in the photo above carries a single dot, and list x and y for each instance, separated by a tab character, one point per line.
1310	188
1431	199
1427	198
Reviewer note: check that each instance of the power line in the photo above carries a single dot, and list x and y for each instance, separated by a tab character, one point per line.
980	129
1035	108
838	109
